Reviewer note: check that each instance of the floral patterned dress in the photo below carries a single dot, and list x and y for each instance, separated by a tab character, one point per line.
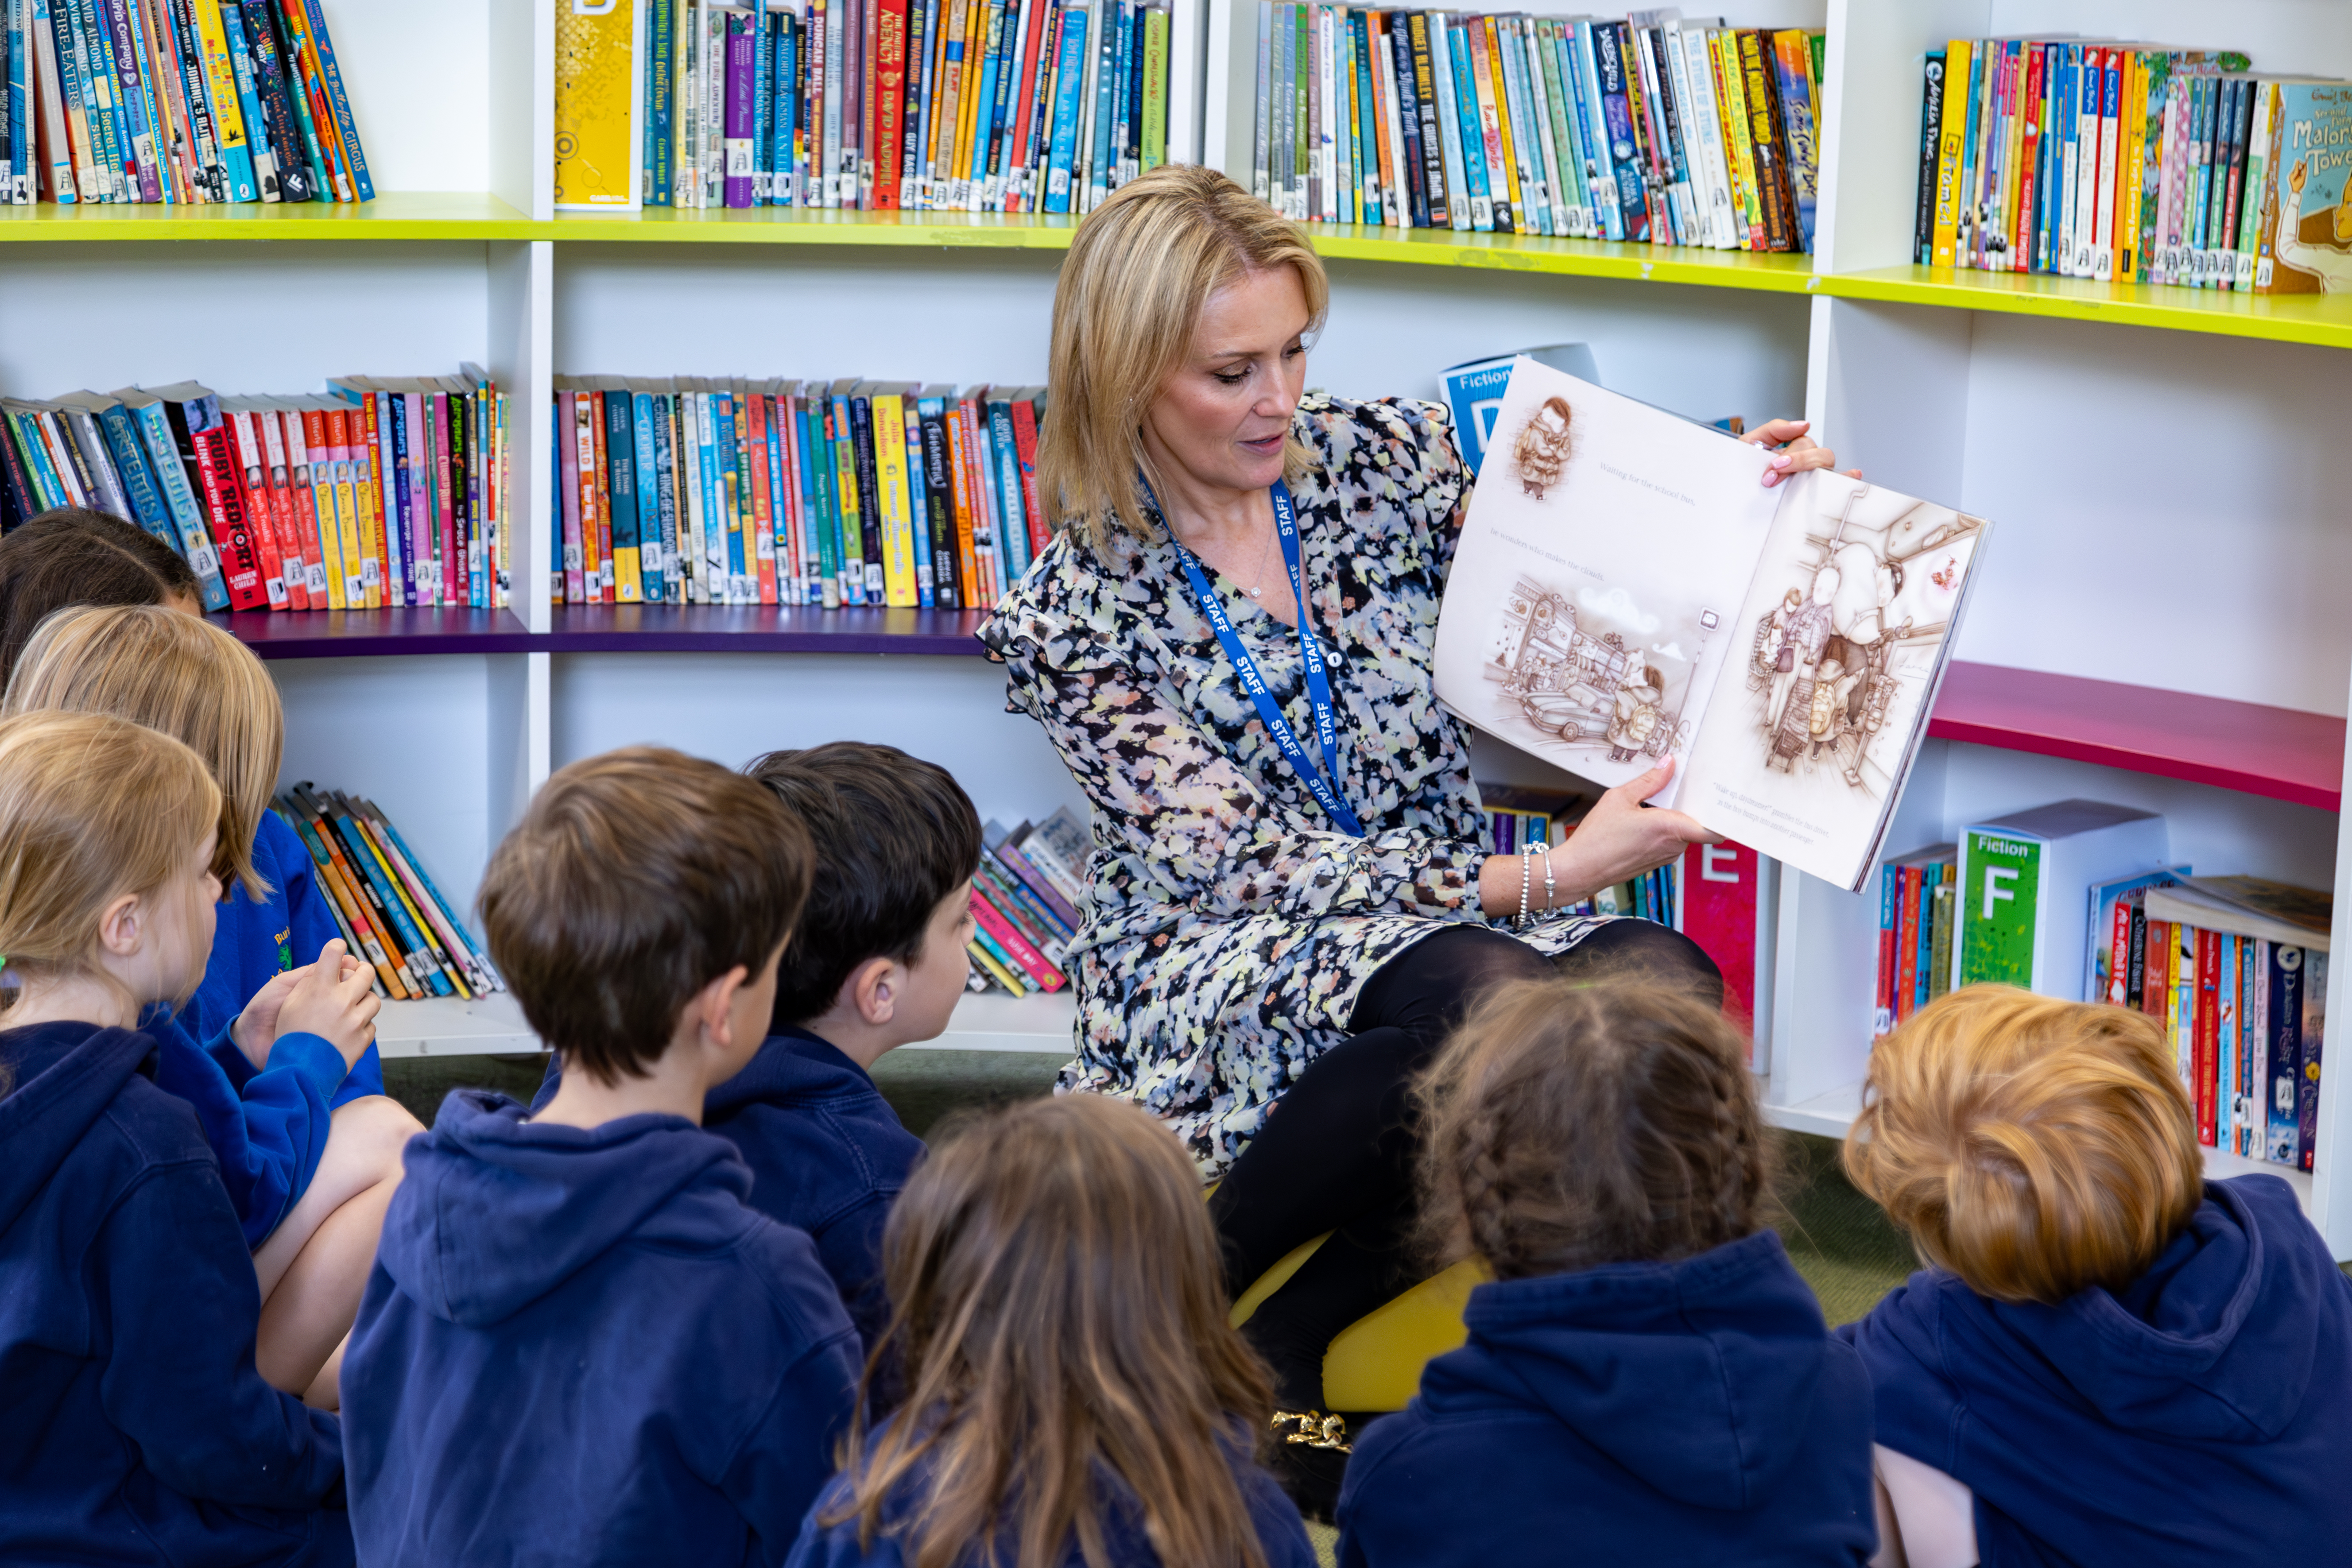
1229	924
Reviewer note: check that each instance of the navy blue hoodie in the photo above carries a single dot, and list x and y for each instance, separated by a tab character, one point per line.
133	1427
1279	1533
579	1346
827	1154
2202	1415
1695	1412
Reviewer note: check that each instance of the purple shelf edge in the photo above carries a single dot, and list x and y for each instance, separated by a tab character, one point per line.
338	634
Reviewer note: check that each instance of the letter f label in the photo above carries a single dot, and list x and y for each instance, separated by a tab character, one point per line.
1995	877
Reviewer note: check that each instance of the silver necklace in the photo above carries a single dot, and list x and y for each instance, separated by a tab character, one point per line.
1264	551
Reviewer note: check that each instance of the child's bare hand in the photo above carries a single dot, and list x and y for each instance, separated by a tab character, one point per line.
335	1000
255	1029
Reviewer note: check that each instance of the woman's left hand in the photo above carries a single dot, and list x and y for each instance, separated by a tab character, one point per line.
1792	450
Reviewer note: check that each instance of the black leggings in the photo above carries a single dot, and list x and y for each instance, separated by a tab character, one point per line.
1338	1152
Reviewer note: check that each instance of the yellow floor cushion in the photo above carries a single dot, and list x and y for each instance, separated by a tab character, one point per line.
1376	1363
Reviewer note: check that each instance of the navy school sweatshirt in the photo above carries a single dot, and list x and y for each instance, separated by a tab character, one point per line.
2204	1415
133	1427
1695	1412
1280	1534
579	1346
827	1155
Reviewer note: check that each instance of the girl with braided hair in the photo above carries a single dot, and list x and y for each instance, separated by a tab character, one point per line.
1647	1375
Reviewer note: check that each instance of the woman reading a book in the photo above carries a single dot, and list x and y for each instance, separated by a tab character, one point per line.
1231	644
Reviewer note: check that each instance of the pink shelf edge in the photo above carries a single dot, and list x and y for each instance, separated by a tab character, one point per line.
2279	752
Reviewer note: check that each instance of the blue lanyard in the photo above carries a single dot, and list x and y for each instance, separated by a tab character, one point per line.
1310	654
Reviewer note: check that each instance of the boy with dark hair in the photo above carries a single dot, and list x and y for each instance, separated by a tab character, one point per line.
578	1345
877	963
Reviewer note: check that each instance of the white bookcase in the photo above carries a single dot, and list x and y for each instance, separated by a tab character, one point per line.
2161	618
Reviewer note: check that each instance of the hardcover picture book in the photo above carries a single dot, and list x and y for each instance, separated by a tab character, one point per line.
1626	589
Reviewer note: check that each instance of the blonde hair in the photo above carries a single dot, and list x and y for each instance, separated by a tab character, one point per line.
1140	268
1062	1315
67	849
1572	1125
2032	1147
177	673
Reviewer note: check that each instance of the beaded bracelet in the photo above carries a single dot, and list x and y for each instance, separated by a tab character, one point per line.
1524	874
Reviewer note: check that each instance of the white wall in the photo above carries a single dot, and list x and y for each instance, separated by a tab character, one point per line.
732	707
418	77
274	318
2169	509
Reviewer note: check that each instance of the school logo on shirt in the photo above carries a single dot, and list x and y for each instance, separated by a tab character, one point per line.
285	940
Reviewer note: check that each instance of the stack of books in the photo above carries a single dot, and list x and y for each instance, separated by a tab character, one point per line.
390	913
1652	128
1000	106
2236	967
699	491
1026	899
175	100
2146	165
377	493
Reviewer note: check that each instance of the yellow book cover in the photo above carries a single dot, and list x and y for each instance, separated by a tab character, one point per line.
2128	172
220	75
2012	167
1948	153
368	482
1503	124
597	56
1733	93
347	513
994	969
898	513
331	531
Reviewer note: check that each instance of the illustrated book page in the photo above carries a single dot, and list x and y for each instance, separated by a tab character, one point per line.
1594	599
1626	589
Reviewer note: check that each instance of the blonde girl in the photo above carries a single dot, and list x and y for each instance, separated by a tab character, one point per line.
1074	1393
307	1143
136	1420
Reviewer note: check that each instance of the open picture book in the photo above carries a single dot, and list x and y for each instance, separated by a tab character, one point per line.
1626	589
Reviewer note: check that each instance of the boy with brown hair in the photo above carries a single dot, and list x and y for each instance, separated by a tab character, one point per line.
878	963
579	1344
2109	1359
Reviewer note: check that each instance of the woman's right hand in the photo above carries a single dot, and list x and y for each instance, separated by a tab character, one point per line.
336	1001
1619	840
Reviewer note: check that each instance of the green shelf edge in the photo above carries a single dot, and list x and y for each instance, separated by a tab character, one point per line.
430	216
2321	321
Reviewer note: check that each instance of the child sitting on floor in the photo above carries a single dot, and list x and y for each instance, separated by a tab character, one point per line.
877	962
310	1147
1075	1393
136	1426
2109	1359
1648	1378
578	1345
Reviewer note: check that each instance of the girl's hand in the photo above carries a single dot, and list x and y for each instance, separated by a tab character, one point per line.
334	1000
1793	452
255	1029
